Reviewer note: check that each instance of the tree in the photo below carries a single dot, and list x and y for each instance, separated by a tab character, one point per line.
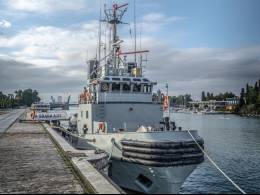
26	97
247	94
29	97
242	98
19	97
173	100
36	97
211	97
258	104
258	101
188	98
180	100
208	96
203	96
252	96
256	87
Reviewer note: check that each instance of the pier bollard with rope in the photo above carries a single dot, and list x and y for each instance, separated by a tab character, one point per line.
216	166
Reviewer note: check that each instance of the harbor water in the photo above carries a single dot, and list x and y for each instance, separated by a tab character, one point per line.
233	142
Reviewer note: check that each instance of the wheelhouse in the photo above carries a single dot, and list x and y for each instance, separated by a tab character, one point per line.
125	85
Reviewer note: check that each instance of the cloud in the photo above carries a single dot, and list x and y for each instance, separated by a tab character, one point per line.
155	21
161	18
193	70
17	75
52	60
42	6
48	46
196	69
5	24
186	70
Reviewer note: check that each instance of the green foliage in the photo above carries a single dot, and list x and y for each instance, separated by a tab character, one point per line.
203	96
250	100
258	101
251	94
22	98
6	101
180	100
242	98
219	97
29	96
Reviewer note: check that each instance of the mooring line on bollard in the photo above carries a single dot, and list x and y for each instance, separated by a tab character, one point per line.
217	167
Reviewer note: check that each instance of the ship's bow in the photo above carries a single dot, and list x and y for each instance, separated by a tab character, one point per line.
160	163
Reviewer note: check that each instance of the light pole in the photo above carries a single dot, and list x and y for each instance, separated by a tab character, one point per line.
167	95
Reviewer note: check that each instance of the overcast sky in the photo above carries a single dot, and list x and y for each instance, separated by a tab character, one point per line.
194	45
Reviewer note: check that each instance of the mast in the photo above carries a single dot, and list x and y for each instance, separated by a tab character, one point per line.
135	26
105	42
99	33
114	17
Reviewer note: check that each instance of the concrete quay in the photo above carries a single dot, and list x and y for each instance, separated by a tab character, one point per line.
81	160
36	159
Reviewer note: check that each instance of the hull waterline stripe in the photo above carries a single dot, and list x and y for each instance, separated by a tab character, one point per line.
217	167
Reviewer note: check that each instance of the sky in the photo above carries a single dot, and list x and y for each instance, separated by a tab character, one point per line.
195	46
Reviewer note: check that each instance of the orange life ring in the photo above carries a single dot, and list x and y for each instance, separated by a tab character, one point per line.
166	103
102	127
33	114
162	97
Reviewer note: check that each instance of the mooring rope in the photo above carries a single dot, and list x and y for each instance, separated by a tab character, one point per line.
112	150
217	167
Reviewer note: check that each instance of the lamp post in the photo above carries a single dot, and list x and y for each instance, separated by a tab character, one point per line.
167	95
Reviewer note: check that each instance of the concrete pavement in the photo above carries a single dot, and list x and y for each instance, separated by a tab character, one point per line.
30	162
6	120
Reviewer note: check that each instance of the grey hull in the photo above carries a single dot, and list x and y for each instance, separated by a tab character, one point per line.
138	177
149	180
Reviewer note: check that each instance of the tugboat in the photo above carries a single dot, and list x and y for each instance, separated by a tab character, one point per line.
120	114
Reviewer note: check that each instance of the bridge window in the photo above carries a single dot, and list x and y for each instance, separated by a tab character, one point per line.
137	80
126	87
137	88
116	79
115	87
126	79
147	89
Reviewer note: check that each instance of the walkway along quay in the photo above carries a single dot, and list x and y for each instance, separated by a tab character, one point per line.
6	120
34	160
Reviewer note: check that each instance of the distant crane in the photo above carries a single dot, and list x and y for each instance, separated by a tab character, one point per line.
61	105
52	99
68	101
